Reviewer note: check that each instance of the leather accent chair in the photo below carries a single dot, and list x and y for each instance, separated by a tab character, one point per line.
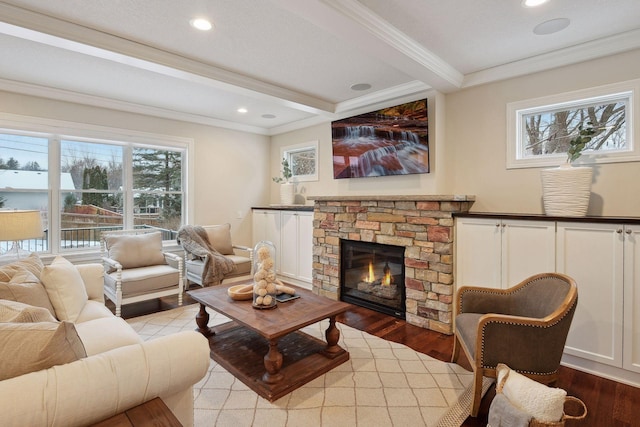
524	327
137	269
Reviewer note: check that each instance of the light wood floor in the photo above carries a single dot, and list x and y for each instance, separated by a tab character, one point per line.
610	404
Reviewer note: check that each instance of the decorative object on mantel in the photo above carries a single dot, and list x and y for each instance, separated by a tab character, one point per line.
566	190
287	190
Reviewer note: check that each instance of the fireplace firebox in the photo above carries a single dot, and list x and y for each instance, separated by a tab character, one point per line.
372	276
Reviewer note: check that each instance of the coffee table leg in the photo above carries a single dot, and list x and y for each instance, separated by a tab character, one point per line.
273	363
332	334
202	319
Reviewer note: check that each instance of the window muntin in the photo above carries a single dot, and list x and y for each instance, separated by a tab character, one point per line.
539	130
89	181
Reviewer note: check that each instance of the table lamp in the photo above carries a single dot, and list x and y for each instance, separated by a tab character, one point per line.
17	225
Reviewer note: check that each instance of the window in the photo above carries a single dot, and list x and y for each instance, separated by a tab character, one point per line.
86	179
539	131
303	161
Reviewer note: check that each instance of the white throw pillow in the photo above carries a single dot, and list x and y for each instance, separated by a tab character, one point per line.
65	288
544	403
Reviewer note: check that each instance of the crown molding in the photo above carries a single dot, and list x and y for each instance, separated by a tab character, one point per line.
583	52
112	104
62	34
449	77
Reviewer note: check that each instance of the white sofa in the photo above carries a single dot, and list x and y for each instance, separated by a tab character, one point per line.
119	371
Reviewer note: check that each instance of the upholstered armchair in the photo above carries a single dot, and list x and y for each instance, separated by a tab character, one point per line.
524	327
217	242
137	269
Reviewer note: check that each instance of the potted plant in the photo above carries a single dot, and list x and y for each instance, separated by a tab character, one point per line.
287	193
566	190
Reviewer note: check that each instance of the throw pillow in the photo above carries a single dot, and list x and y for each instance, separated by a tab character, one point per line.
32	263
220	238
17	312
136	250
65	288
25	287
544	403
30	347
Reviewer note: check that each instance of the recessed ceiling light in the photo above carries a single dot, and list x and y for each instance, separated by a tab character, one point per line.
268	116
201	24
361	86
552	26
533	3
242	110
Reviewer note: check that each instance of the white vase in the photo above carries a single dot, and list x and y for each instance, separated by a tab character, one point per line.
287	193
566	190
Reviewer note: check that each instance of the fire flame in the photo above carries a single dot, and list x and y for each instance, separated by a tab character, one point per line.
371	277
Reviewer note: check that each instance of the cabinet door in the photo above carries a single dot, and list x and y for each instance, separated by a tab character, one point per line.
478	252
289	245
266	226
528	248
305	246
632	298
592	254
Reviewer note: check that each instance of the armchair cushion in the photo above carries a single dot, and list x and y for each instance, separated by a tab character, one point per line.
220	238
25	287
65	288
135	250
144	279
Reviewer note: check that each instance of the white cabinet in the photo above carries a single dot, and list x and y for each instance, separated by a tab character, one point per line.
292	233
592	254
501	253
297	245
631	333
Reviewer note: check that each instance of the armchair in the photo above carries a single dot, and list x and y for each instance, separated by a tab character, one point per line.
200	243
524	327
136	268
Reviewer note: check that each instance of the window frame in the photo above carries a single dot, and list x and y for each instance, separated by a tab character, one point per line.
516	111
286	152
57	130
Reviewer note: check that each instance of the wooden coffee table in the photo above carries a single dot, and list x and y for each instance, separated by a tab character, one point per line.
265	349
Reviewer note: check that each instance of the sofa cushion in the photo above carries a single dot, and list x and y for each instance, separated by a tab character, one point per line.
107	333
136	250
29	347
65	288
220	238
25	287
17	312
93	310
32	263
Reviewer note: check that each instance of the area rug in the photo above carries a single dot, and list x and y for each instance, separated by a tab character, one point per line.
383	384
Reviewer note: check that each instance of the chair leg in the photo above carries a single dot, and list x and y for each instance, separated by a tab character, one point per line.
456	349
477	392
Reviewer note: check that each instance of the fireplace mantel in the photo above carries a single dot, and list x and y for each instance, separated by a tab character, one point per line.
423	224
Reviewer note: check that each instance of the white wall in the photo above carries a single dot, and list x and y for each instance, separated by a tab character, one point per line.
468	135
431	183
476	141
230	168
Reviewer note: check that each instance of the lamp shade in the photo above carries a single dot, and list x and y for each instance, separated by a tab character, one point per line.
18	225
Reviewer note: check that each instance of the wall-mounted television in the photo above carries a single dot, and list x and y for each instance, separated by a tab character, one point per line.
390	141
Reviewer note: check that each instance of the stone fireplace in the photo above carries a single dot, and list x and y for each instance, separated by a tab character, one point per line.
422	225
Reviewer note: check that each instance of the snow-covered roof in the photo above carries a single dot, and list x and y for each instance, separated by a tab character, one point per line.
32	180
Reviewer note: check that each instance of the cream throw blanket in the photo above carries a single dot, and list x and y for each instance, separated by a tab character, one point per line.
195	241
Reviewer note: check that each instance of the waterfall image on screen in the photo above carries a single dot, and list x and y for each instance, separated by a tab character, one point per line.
390	141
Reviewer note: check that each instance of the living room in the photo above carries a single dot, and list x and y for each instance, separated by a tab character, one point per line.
230	167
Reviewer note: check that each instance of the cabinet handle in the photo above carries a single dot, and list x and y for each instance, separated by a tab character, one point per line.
619	231
628	231
498	224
